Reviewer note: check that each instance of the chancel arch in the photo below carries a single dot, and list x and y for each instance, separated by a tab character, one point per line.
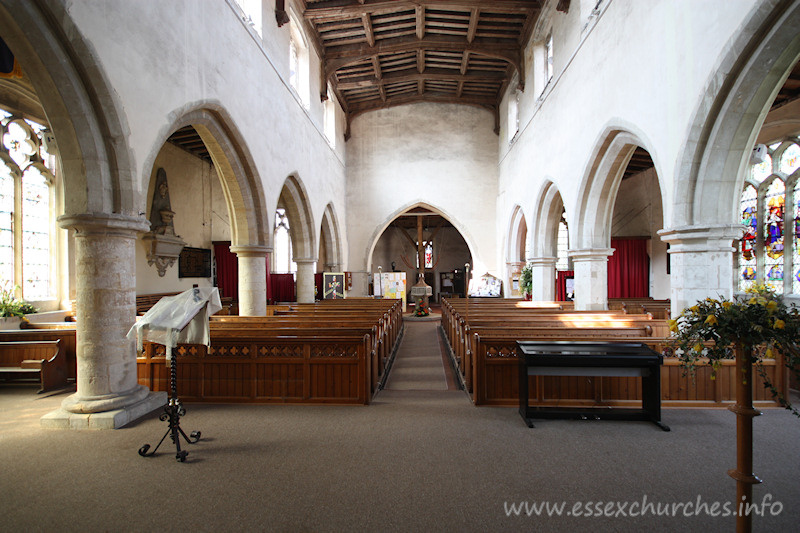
395	248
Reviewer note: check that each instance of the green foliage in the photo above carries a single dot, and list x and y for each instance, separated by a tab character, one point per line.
10	305
759	321
526	280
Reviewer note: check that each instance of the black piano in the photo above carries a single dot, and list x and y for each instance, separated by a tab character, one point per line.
568	358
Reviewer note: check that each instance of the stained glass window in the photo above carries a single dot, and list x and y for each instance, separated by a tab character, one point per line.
6	224
35	234
796	255
773	235
790	160
427	250
26	219
747	246
762	170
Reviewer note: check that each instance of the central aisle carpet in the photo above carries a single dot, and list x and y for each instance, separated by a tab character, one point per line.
418	363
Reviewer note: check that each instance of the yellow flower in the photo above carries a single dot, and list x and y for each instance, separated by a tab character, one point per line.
711	320
772	306
779	324
694	309
752	300
673	325
768	354
698	347
727	305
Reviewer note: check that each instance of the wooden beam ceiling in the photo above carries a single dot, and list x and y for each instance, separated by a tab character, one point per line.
382	53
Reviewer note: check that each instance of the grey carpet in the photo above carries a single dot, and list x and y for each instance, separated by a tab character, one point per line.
418	363
411	461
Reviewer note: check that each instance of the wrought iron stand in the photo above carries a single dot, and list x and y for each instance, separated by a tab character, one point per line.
173	412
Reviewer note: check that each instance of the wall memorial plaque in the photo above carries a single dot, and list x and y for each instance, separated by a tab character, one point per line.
194	263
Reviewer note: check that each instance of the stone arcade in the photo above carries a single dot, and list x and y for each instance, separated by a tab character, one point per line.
503	122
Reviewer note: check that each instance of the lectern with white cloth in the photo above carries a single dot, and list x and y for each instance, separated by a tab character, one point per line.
182	318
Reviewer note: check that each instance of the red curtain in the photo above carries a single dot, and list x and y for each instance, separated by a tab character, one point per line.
318	281
561	284
227	270
629	269
282	287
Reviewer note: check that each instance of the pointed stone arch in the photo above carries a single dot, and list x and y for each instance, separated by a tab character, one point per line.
592	216
329	238
544	242
233	162
548	208
81	108
714	159
294	199
517	236
376	235
591	220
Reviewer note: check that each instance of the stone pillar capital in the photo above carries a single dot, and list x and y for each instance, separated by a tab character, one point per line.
542	261
590	254
705	238
104	223
250	250
304	260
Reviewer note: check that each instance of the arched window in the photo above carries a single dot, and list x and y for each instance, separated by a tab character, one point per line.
251	11
774	210
282	249
427	249
765	253
329	119
26	209
298	61
562	246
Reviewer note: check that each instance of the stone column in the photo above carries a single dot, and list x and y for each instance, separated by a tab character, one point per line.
108	395
252	261
543	273
305	280
702	262
591	278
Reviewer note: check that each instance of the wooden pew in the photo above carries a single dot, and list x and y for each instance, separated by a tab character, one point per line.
300	353
287	366
483	342
42	362
65	336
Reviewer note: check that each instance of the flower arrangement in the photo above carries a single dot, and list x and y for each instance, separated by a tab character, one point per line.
10	305
526	280
759	321
420	309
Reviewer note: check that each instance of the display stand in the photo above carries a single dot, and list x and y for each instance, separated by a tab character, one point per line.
177	319
173	412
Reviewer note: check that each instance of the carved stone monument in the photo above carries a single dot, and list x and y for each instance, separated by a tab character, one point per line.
163	246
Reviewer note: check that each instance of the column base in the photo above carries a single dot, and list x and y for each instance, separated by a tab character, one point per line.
115	419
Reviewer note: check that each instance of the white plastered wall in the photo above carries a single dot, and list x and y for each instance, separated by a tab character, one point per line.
201	55
639	67
443	156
